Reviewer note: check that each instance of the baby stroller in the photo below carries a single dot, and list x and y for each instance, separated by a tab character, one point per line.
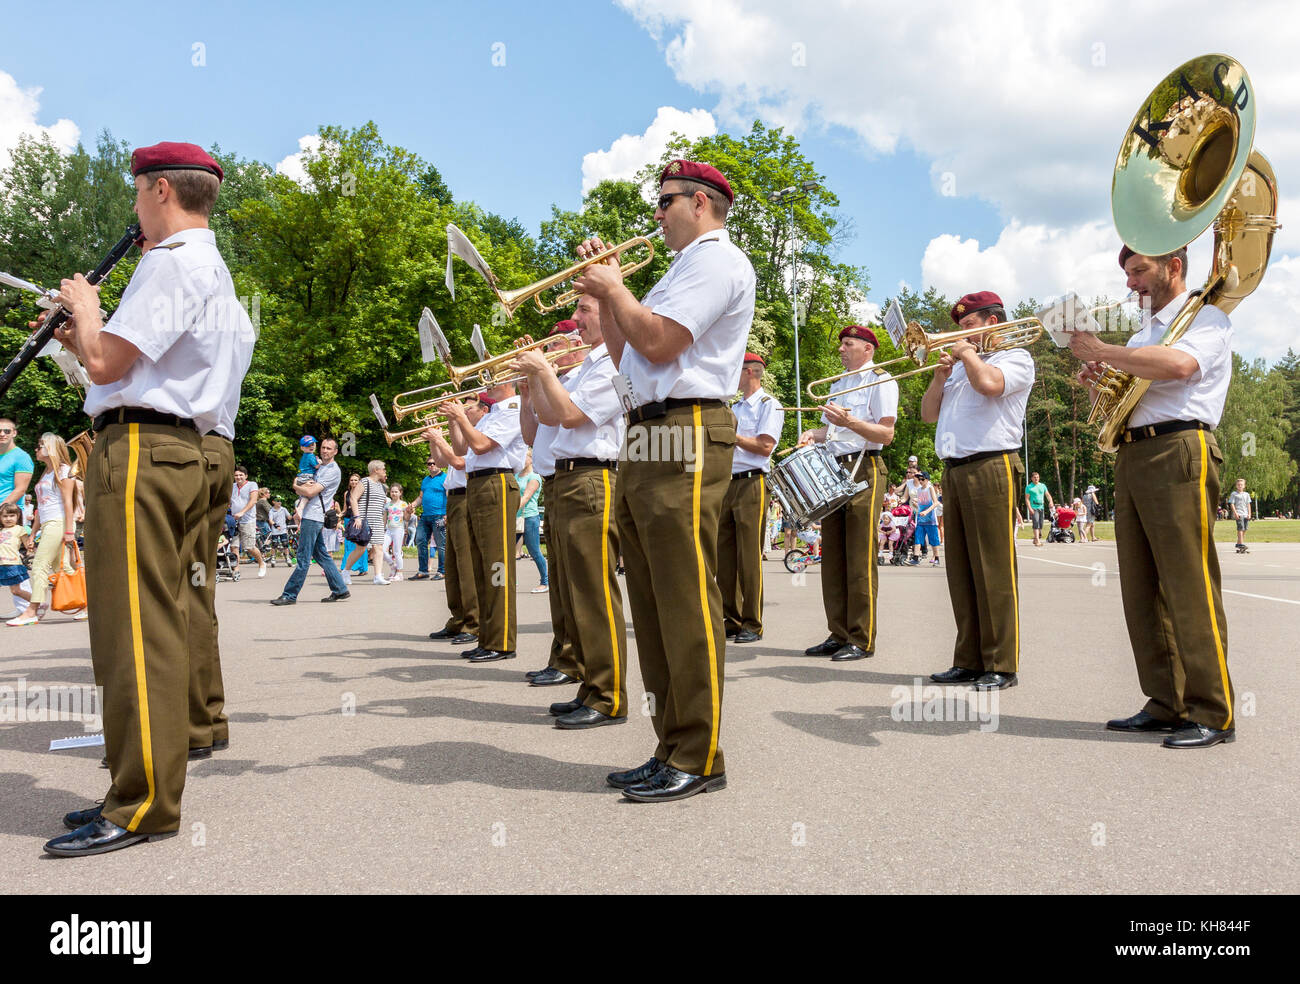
228	552
1062	521
900	539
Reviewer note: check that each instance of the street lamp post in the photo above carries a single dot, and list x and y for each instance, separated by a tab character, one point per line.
788	196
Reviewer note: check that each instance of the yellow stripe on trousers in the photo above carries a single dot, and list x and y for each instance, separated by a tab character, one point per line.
1209	590
506	545
696	490
137	634
1011	540
609	603
762	538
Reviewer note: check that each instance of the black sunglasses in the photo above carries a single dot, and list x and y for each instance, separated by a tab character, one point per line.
667	197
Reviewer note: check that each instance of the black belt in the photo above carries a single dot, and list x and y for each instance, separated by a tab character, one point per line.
649	411
970	459
139	415
480	472
457	491
748	474
1165	427
569	464
852	456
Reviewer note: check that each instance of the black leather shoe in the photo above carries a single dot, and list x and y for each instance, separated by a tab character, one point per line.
282	600
670	784
632	777
828	648
491	655
463	638
220	744
443	634
586	717
746	635
565	707
1193	735
550	677
732	633
201	753
958	674
471	653
338	596
79	818
1141	721
846	653
419	577
996	681
99	836
534	674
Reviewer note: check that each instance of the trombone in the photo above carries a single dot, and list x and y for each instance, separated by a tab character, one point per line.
484	372
920	345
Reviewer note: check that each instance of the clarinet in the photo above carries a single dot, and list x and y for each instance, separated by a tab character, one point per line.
38	339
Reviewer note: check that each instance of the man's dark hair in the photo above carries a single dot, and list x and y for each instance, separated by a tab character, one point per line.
242	468
999	312
1180	254
716	198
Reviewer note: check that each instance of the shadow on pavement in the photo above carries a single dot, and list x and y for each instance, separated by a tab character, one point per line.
442	762
860	725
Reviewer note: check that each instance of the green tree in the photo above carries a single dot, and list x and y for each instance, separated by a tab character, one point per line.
1252	433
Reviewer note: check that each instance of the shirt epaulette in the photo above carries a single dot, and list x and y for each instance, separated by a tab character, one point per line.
176	245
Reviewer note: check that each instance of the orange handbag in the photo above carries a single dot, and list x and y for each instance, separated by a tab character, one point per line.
68	590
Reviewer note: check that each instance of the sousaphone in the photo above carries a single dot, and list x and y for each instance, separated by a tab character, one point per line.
1187	164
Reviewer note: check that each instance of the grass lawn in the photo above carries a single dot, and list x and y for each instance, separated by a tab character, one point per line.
1225	531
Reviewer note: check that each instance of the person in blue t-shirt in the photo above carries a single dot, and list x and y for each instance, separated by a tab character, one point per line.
433	521
307	466
15	464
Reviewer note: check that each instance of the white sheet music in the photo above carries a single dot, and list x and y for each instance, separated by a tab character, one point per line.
477	341
80	741
379	414
894	323
458	244
1065	317
432	340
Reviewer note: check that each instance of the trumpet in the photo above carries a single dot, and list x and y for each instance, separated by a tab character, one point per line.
512	299
920	345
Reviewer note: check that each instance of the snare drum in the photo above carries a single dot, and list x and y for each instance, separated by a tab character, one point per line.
810	484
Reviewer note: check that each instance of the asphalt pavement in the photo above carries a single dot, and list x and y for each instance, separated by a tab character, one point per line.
366	758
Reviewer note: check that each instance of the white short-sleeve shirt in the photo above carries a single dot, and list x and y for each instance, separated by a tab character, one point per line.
591	388
239	499
709	291
456	479
872	404
543	449
970	423
759	414
501	424
195	338
1200	396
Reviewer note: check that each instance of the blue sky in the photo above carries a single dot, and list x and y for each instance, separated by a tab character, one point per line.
1021	104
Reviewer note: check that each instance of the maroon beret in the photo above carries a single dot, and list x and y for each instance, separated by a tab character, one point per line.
695	171
755	357
565	327
168	156
486	400
1124	255
979	301
858	331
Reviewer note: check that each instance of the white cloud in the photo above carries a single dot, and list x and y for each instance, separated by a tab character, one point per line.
631	152
1015	102
863	311
293	166
18	110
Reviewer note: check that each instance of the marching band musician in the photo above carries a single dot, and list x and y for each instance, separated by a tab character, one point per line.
562	667
160	383
580	521
759	419
462	624
1166	497
979	403
679	354
865	418
494	452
